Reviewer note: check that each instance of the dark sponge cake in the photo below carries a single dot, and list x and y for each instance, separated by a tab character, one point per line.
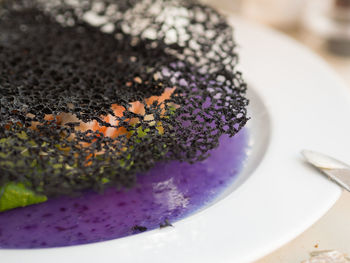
82	57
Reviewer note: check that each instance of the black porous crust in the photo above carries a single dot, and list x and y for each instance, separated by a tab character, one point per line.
82	56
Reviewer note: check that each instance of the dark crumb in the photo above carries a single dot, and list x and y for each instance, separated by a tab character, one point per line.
166	223
137	228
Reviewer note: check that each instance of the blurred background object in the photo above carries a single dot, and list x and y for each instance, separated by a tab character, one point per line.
322	25
233	6
330	21
282	14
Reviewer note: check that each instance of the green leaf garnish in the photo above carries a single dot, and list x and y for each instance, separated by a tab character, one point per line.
13	195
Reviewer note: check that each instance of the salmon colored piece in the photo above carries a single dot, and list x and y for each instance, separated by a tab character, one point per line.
160	99
135	107
47	117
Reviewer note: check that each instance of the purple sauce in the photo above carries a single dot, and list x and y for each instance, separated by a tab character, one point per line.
170	191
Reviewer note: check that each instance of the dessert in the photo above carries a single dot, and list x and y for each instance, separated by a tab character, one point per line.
95	94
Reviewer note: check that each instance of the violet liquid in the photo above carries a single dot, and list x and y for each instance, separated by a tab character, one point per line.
167	193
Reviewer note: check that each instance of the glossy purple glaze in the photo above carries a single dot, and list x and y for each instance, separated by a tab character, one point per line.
169	191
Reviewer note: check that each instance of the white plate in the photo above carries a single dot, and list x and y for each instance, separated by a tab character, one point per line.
308	107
